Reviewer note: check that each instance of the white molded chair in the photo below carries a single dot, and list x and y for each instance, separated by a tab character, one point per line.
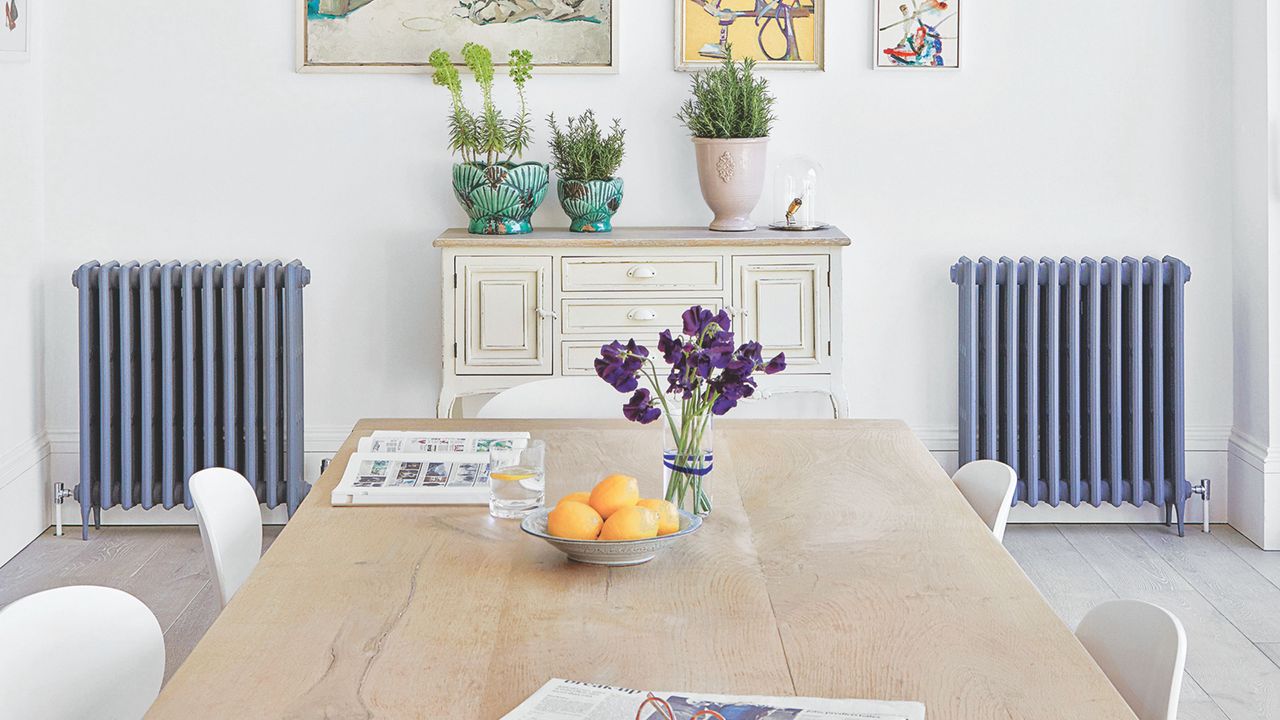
572	398
79	652
230	526
1142	649
988	485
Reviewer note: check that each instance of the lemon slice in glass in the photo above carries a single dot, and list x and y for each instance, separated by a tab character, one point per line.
514	473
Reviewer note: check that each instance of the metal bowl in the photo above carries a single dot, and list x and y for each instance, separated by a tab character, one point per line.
615	553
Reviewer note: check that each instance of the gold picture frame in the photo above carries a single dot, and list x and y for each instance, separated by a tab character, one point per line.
321	16
769	30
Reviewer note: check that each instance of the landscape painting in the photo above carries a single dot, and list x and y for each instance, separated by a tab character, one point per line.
784	34
13	29
398	35
917	34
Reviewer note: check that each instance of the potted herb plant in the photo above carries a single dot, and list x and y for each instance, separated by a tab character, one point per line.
729	116
499	193
586	160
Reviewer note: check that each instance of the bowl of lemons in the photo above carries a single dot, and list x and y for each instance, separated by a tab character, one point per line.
611	525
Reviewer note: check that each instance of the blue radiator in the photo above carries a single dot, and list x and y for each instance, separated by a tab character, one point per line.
184	367
1072	373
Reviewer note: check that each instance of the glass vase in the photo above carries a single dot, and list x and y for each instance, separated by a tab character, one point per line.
687	456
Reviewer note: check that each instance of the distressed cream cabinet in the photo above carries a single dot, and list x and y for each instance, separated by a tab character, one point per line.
518	308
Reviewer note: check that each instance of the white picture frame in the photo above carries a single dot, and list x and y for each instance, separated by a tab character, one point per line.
15	32
303	65
951	13
680	32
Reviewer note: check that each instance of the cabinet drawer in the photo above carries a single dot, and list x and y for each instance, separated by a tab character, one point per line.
580	316
578	357
580	274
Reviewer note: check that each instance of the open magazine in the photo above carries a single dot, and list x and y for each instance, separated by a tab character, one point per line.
421	468
569	700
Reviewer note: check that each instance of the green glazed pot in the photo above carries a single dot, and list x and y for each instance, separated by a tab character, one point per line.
500	198
590	205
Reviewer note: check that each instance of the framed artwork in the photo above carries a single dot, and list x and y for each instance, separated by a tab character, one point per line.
15	36
398	35
917	34
777	34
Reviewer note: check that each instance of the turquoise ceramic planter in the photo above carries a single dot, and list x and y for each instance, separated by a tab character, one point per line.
590	205
501	198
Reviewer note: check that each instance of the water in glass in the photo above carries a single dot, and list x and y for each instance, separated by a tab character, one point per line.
516	479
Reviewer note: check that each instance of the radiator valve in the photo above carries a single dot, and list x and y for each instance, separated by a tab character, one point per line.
1202	489
60	494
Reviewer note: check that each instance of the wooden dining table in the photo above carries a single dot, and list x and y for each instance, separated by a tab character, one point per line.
839	561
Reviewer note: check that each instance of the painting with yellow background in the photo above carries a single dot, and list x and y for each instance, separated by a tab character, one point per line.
776	32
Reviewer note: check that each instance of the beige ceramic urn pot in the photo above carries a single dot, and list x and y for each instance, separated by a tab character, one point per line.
731	173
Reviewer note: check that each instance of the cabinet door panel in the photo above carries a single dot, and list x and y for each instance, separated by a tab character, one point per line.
783	302
499	328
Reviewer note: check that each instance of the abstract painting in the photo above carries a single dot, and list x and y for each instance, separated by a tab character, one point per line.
917	34
786	34
398	35
14	20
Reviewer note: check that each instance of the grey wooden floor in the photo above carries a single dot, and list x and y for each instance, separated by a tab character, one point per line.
1225	590
163	567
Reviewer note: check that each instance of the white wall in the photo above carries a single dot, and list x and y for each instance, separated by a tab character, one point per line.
174	131
1255	445
23	450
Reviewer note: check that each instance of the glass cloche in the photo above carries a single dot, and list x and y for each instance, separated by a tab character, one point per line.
794	203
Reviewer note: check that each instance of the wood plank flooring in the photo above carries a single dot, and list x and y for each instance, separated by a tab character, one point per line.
1225	590
162	566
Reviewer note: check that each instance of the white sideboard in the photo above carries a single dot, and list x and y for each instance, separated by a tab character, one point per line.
524	307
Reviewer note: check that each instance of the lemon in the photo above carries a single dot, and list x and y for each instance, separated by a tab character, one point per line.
668	518
630	523
582	497
614	493
574	521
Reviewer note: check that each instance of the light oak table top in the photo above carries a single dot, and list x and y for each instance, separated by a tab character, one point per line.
839	562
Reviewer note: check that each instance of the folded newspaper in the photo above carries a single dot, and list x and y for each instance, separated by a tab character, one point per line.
417	468
569	700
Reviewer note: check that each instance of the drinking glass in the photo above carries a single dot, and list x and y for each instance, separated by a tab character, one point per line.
517	479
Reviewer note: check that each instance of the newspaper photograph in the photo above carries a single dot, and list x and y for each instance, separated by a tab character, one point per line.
570	700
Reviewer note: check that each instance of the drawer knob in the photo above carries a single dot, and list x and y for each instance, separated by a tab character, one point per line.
642	272
548	314
642	314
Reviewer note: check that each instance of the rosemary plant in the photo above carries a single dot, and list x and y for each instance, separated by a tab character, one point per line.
488	137
728	101
581	151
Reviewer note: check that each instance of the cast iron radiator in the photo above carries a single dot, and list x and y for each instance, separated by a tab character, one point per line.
1072	373
184	367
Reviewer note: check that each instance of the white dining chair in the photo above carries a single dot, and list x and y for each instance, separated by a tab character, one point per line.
575	398
79	652
230	527
988	485
1142	649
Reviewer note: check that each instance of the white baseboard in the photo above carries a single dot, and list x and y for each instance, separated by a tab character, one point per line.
24	495
1254	508
1206	457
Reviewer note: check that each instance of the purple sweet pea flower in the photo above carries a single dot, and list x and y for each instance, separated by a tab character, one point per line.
776	365
642	408
619	365
698	320
671	348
